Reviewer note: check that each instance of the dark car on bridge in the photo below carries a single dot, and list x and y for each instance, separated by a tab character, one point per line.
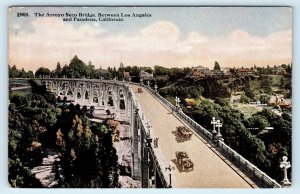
184	133
182	158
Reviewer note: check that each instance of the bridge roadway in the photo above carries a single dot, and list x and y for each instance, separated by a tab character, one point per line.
210	171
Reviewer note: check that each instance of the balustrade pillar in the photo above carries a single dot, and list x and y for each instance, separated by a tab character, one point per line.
57	89
75	94
91	96
136	167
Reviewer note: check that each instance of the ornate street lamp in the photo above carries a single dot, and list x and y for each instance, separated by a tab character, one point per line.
155	88
219	125
177	100
169	169
214	122
285	165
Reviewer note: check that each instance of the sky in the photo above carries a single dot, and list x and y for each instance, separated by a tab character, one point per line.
169	36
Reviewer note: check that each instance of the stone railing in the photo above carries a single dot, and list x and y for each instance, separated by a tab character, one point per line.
158	156
69	79
260	178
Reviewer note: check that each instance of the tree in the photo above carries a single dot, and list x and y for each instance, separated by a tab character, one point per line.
92	110
214	88
89	158
22	73
283	132
58	71
42	71
19	175
135	71
221	101
84	110
13	71
120	72
264	99
30	117
204	112
266	83
217	66
257	121
289	68
190	102
90	71
79	68
286	116
159	70
114	72
30	74
268	70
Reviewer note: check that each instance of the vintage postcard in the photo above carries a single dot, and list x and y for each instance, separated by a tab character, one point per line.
150	97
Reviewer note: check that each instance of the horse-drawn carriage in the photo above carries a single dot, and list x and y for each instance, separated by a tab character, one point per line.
184	161
140	90
184	133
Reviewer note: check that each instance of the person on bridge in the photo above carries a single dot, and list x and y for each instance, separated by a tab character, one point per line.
156	142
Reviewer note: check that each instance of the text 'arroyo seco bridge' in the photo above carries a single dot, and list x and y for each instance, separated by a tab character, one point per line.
152	162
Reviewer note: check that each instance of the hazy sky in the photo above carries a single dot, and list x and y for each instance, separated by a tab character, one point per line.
172	36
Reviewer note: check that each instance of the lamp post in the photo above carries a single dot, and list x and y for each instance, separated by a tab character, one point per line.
148	129
155	88
214	122
219	125
214	132
141	81
285	165
169	169
177	101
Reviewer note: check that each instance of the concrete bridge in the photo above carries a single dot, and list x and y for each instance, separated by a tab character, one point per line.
151	116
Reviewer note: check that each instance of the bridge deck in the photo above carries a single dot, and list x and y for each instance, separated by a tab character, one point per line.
210	171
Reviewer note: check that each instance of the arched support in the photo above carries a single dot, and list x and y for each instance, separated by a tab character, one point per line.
135	170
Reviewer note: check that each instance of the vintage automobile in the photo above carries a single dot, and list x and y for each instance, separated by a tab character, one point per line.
184	161
140	90
184	133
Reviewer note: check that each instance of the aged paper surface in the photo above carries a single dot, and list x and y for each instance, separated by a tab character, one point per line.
150	97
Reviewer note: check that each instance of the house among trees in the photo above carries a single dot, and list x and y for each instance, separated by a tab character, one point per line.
244	71
226	72
200	72
223	73
145	75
